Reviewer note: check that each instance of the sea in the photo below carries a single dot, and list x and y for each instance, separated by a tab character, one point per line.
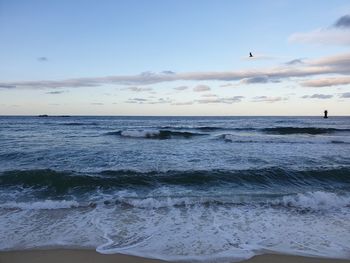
207	189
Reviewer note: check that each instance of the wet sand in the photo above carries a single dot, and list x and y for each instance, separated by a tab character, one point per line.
90	256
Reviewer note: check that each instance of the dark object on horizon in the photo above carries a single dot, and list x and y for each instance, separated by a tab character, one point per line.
43	115
250	54
325	114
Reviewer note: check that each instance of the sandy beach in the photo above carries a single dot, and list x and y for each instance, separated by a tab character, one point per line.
87	256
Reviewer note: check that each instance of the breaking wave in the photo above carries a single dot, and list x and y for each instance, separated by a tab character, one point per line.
318	200
200	128
122	179
303	202
313	201
155	134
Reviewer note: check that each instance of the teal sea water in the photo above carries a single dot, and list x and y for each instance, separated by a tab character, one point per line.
177	188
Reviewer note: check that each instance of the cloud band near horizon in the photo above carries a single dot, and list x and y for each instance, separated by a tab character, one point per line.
339	64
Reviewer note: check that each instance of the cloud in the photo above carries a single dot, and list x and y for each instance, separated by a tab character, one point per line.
317	96
255	80
149	101
345	95
181	88
72	83
210	95
322	36
201	88
137	89
343	21
213	100
161	101
295	62
259	80
268	99
335	35
339	64
97	103
227	85
136	100
56	92
5	86
43	59
228	100
168	72
326	82
182	103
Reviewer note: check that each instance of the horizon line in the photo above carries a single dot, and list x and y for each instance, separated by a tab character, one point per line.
87	115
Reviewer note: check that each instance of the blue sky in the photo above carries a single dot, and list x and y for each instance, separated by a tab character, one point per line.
174	57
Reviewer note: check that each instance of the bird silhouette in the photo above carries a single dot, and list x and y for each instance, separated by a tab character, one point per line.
250	54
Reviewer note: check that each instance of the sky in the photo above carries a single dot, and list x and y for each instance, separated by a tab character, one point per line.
183	57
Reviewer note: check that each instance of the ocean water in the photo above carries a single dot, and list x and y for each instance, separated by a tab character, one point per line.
177	188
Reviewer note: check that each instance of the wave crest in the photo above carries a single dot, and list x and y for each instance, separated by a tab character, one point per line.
121	179
318	200
156	134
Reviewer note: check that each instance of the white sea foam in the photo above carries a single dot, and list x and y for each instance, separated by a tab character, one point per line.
190	232
317	200
236	233
152	203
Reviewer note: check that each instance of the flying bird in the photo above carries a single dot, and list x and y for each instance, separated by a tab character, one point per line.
250	54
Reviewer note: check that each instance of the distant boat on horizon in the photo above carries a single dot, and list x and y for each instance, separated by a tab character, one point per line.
62	116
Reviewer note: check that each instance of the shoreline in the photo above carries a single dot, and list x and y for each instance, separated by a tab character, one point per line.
89	255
